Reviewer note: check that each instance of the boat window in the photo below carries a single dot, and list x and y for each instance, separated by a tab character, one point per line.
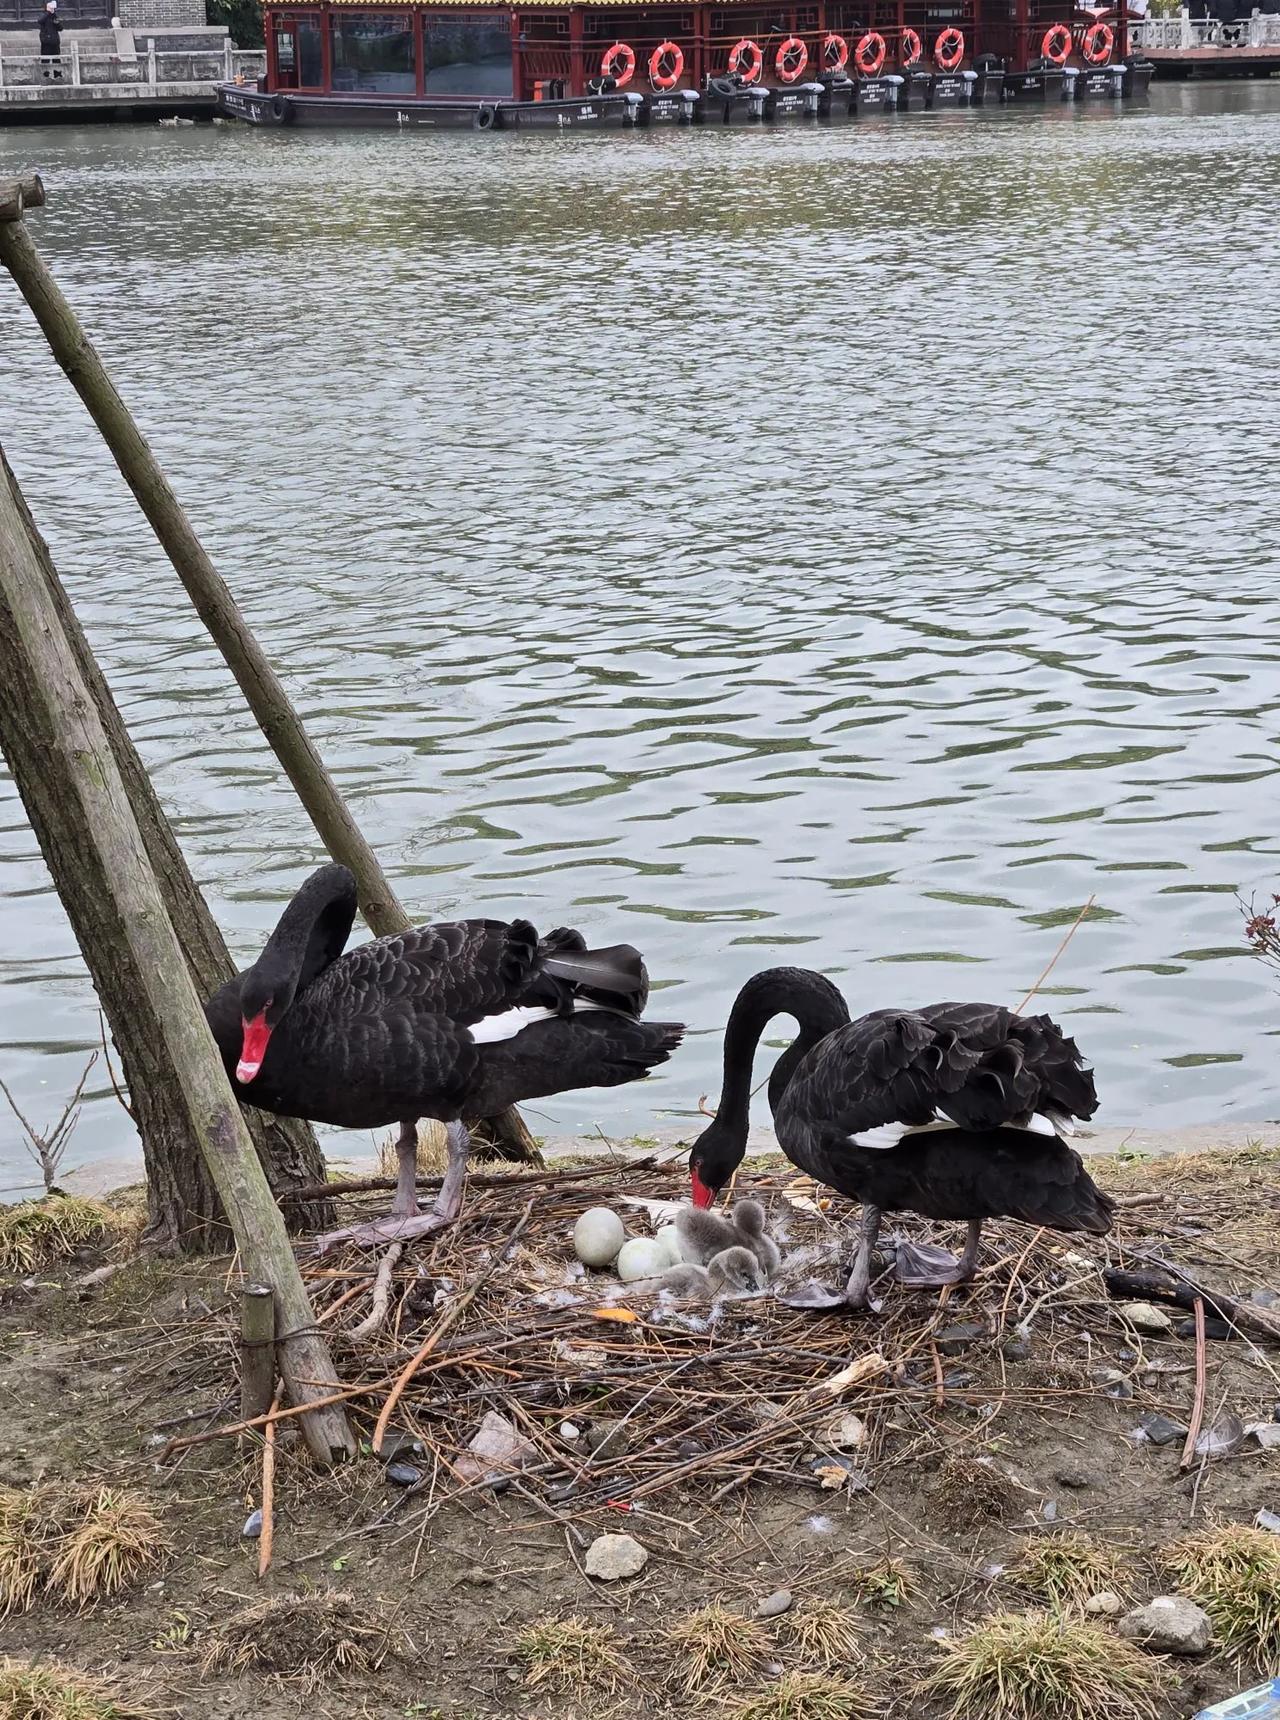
286	58
467	55
374	54
310	54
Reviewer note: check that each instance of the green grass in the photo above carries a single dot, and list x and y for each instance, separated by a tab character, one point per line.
571	1657
1066	1569
803	1696
1234	1572
53	1692
38	1234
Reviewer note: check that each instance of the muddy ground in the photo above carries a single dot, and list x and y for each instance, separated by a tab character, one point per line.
86	1380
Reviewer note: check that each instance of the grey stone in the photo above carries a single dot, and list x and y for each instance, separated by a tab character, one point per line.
1160	1430
1265	1298
1266	1434
1170	1624
403	1475
1049	1510
1105	1604
397	1443
1017	1349
612	1557
252	1526
774	1605
1146	1317
1077	1478
606	1440
951	1340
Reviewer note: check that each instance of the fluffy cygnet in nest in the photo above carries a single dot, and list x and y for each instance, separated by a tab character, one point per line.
735	1269
704	1234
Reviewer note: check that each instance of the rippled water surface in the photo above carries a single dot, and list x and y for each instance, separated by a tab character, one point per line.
847	547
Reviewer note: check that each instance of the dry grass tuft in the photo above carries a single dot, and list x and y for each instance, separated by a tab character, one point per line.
1066	1569
823	1633
1234	1572
297	1639
716	1647
886	1583
432	1156
972	1491
53	1692
804	1696
572	1657
74	1544
38	1234
1045	1666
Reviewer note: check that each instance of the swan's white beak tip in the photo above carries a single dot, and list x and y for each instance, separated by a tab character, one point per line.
245	1072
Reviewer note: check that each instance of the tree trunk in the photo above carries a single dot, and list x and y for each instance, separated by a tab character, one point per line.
185	1213
60	712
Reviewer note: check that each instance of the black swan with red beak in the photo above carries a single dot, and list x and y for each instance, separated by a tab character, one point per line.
447	1021
953	1111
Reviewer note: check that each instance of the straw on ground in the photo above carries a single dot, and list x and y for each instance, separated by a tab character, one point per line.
1066	1569
1233	1570
306	1640
51	1691
572	1657
38	1234
715	1647
74	1544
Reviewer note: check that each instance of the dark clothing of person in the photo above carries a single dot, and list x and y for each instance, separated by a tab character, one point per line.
50	34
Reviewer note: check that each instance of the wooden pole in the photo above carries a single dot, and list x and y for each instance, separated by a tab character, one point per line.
80	756
208	591
257	1350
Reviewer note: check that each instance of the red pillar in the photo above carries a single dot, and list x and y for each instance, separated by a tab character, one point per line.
701	45
1022	34
517	69
577	75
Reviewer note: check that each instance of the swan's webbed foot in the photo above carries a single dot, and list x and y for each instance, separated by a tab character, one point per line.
405	1223
857	1296
920	1266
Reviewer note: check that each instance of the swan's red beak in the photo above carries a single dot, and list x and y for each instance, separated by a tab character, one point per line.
254	1046
702	1195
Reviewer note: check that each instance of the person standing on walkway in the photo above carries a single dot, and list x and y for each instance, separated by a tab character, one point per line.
51	40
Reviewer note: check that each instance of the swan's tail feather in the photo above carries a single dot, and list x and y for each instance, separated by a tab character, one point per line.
613	979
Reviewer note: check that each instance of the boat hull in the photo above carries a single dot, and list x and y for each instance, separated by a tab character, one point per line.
1034	86
1100	83
591	113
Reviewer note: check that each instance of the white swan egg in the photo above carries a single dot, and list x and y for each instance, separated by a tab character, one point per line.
668	1238
642	1257
598	1235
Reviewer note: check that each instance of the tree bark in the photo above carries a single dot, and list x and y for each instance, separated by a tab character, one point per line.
218	610
184	1211
58	709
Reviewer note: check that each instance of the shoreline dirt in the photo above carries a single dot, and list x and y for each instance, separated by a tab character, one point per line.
89	1385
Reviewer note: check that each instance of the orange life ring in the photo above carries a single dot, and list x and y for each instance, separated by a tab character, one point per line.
791	59
1056	44
868	56
911	48
948	50
835	52
750	52
666	63
1099	39
609	64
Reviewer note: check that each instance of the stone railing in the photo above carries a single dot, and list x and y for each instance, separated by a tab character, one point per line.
148	70
1182	31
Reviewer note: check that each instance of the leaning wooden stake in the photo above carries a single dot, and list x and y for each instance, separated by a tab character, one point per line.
207	590
80	756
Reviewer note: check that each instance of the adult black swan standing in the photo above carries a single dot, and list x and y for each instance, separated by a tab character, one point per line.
953	1111
446	1021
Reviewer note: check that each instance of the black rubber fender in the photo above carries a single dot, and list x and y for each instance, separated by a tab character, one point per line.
486	119
282	110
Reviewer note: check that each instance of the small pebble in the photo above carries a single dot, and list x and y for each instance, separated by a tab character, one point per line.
1076	1478
1106	1604
1016	1349
403	1475
606	1440
252	1526
1145	1317
561	1491
1170	1624
612	1557
569	1430
1160	1430
951	1340
1049	1510
1264	1298
774	1605
690	1448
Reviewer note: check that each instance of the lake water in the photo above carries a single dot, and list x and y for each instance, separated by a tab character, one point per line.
849	547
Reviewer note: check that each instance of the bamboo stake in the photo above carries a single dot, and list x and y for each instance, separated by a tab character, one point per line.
266	1540
80	755
208	591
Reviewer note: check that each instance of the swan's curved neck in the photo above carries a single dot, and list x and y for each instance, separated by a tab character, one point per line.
312	933
814	1003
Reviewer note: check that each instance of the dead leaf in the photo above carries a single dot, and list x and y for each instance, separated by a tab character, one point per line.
868	1367
619	1316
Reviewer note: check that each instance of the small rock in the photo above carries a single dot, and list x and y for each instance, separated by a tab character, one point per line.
570	1430
403	1475
774	1605
396	1442
495	1450
690	1448
1077	1478
1113	1382
252	1526
1049	1510
1016	1349
1213	1328
478	1576
1170	1624
1105	1604
1265	1298
1266	1434
612	1557
1267	1520
951	1340
606	1440
838	1470
1146	1317
848	1432
1160	1430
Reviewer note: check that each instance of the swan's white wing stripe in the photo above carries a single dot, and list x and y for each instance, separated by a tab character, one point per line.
887	1135
490	1029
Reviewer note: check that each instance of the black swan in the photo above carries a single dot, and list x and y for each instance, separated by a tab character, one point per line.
954	1111
448	1021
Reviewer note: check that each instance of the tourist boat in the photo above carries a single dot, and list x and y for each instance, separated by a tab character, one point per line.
490	65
